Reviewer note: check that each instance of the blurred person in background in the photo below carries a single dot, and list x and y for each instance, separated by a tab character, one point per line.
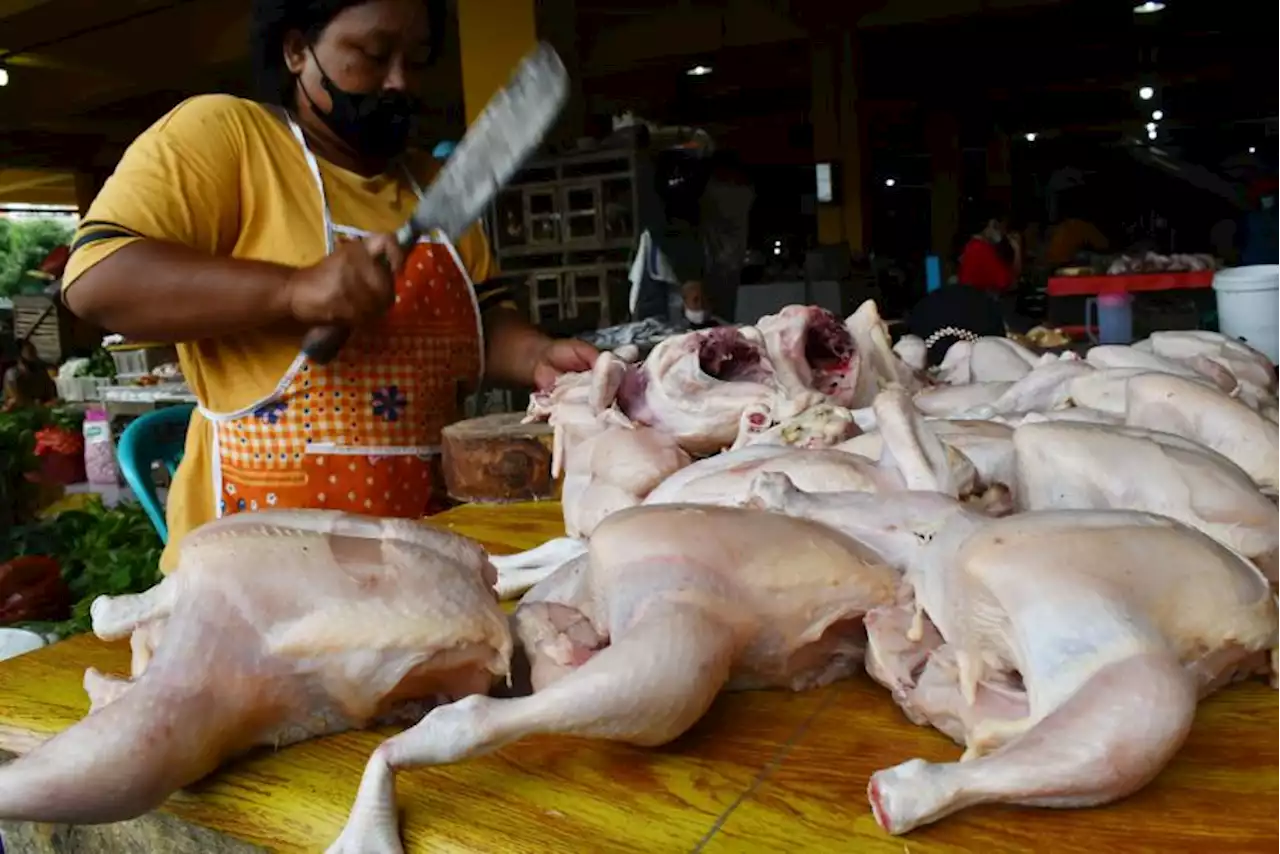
991	259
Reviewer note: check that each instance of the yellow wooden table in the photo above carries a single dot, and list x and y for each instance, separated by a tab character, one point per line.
764	771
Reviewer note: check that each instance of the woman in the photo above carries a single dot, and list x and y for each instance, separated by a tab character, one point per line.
1074	234
231	227
992	259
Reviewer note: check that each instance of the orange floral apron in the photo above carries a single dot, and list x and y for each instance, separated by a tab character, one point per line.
360	433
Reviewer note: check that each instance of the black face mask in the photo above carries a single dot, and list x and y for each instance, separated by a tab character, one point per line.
376	124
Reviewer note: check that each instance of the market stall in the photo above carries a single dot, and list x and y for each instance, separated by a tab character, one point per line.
767	769
763	771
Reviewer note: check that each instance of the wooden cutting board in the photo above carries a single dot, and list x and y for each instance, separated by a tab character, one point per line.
497	459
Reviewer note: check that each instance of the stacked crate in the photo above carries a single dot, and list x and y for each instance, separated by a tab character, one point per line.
47	325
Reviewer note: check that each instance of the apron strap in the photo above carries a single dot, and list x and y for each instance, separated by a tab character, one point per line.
314	166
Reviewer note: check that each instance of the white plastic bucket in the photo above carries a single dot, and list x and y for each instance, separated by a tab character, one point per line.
1249	306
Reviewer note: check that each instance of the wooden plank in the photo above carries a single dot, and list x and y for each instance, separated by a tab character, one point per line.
763	771
544	794
1218	794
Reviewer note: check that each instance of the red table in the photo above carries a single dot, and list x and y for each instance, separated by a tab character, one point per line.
1083	286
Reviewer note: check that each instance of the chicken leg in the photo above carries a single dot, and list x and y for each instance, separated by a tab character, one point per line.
646	689
1106	741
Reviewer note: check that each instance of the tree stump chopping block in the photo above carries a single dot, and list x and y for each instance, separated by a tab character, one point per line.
497	459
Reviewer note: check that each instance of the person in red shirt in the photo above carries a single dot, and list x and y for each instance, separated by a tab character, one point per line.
992	259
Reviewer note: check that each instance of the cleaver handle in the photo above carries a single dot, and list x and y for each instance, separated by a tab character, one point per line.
323	343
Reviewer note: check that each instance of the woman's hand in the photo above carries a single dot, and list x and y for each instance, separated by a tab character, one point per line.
562	356
350	286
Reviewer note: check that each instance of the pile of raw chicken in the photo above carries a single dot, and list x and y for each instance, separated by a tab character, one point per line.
1048	558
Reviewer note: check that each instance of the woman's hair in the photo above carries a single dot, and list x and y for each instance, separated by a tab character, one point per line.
273	19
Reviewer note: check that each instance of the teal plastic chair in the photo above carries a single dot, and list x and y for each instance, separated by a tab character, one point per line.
158	436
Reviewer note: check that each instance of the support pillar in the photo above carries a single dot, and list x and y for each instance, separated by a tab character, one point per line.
493	36
999	172
946	166
557	23
87	185
839	137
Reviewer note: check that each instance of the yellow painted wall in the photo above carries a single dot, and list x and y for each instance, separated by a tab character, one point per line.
837	137
494	35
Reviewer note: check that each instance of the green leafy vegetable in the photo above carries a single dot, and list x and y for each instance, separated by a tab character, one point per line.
101	365
101	551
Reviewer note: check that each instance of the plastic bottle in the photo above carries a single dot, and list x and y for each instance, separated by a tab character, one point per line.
99	450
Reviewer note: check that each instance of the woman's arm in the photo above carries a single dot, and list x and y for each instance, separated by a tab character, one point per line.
151	258
513	347
518	354
1015	241
158	291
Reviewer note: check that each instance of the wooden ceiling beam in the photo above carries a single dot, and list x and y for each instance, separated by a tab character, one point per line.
202	38
12	8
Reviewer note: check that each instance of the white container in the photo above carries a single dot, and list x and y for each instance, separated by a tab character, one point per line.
1249	306
16	642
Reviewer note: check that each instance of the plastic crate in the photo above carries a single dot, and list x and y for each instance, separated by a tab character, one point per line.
137	361
81	389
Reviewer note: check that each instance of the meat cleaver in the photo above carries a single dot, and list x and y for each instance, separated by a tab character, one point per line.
497	143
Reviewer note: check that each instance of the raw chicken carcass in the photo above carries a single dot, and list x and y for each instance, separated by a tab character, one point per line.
811	350
954	400
1092	467
911	350
634	641
277	627
1202	414
908	457
986	446
725	480
1046	387
1252	370
613	469
1120	356
1065	649
695	387
880	365
989	359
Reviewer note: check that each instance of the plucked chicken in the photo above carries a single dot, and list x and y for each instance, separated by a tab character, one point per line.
1065	649
633	641
356	620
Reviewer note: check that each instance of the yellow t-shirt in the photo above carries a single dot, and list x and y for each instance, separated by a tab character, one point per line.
227	176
